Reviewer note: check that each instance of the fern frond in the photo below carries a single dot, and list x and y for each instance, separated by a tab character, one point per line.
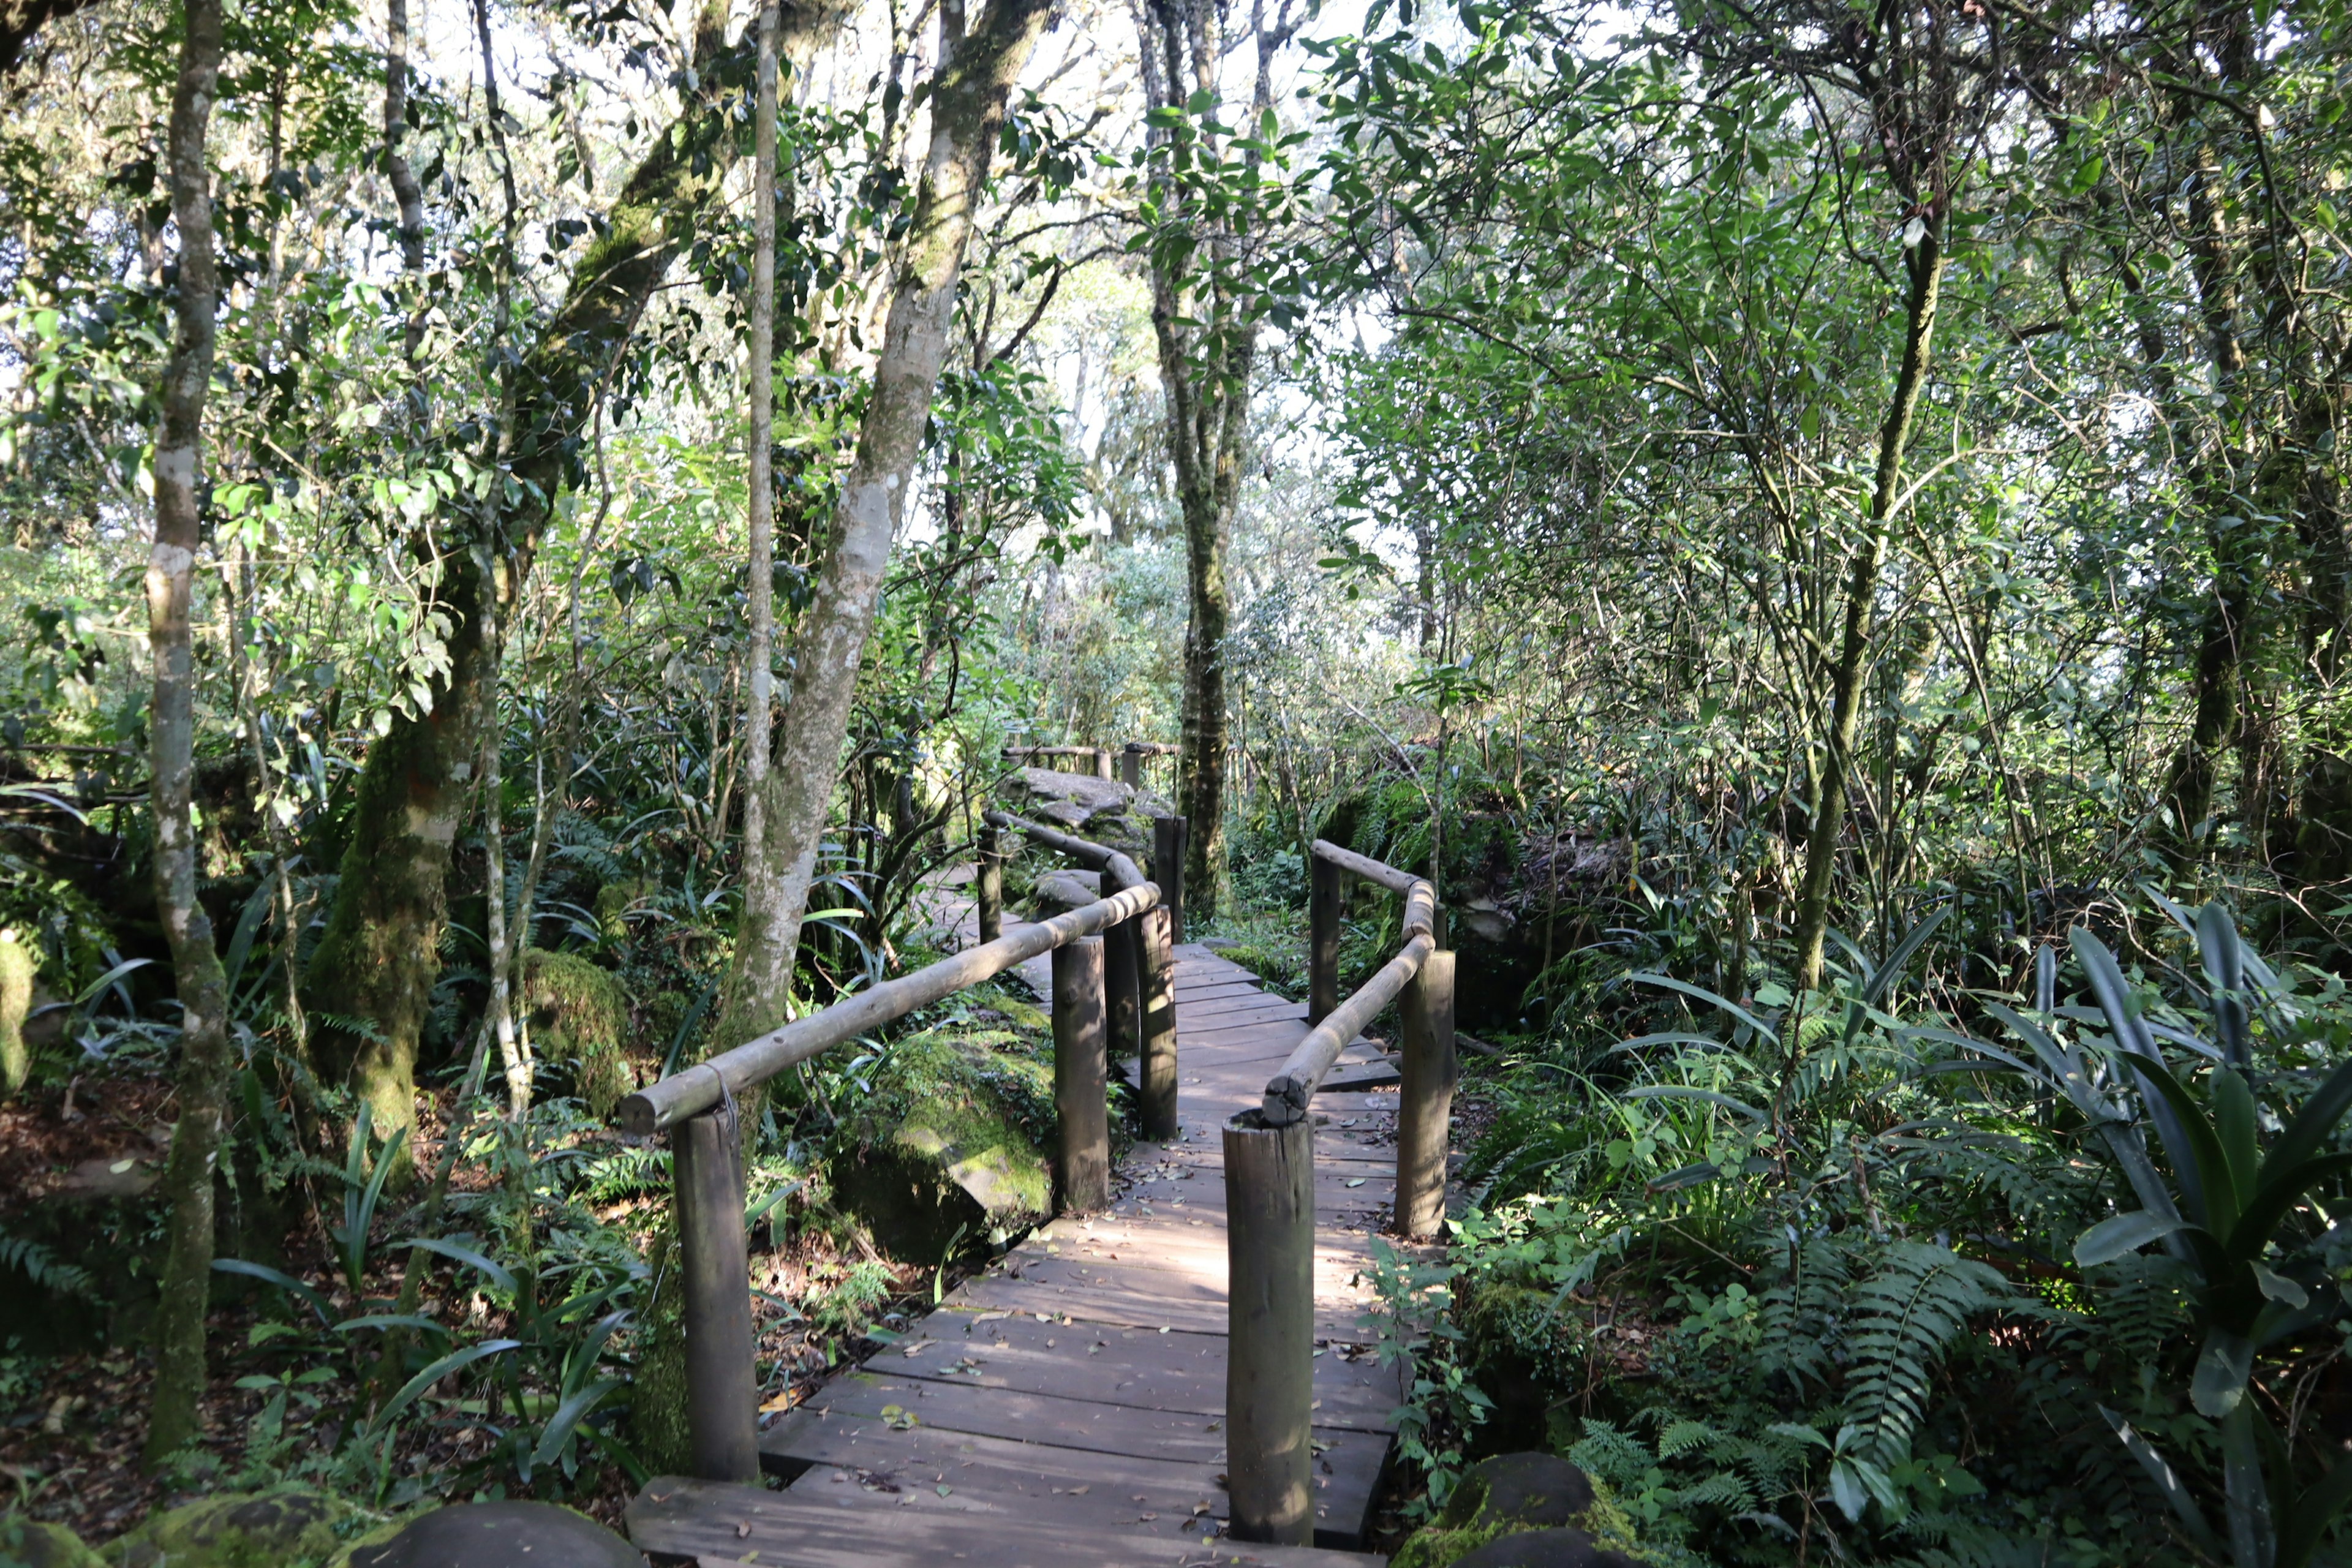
1916	1304
46	1268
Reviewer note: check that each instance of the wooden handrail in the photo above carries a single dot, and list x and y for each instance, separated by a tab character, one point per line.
1112	962
1269	1159
708	1084
1122	871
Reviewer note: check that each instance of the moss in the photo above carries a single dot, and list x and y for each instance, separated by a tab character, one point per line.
16	1000
579	1015
285	1527
32	1544
1479	1514
657	1392
953	1138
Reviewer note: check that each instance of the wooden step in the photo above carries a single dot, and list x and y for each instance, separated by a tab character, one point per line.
718	1526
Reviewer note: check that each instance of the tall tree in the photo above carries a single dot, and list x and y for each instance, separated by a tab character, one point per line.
171	568
760	871
372	977
1204	216
978	70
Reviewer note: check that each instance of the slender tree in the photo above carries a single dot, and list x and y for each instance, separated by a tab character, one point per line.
758	870
978	70
172	1420
1205	317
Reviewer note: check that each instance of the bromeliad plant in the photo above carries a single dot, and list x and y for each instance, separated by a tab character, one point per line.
2242	1219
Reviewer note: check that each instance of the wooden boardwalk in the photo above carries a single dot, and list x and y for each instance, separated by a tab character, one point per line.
1065	1408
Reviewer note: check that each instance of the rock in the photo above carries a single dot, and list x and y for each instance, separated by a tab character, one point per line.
579	1016
16	1000
1084	791
497	1535
35	1543
954	1137
285	1527
1533	1490
1059	890
1524	1511
1544	1548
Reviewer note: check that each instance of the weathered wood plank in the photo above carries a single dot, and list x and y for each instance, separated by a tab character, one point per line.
724	1526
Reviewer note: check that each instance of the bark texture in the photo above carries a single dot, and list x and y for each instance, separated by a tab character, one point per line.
170	570
968	102
759	715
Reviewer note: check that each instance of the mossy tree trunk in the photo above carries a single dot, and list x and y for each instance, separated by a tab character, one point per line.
187	1189
372	977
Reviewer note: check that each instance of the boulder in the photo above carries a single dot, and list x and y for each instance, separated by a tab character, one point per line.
496	1535
285	1527
1544	1548
954	1138
1084	792
1059	890
35	1543
579	1016
1524	1510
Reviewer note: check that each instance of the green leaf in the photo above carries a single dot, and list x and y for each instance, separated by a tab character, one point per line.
2124	1233
2222	1368
416	1386
498	1276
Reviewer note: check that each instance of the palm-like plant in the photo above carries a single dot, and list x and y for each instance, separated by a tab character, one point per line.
2231	1212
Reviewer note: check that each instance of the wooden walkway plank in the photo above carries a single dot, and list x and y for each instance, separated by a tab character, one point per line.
1065	1407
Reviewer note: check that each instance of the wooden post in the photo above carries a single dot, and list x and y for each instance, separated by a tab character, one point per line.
1270	1342
1157	1071
991	886
722	1406
1083	1169
1102	762
1168	835
1425	1097
1130	769
1322	938
1122	992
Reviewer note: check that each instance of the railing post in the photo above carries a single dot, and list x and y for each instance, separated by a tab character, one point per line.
1102	762
991	885
1168	835
1322	938
1157	1056
1130	768
722	1408
1425	1097
1080	1077
1122	992
1270	1342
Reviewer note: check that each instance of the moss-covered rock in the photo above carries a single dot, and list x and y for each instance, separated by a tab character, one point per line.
953	1138
1512	1495
494	1535
16	1000
285	1527
35	1543
580	1018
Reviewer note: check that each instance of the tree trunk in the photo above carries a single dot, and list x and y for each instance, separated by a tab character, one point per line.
186	1283
968	103
758	870
1925	264
1208	351
374	968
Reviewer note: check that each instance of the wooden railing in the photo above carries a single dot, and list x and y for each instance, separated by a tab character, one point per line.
1129	757
1270	1191
696	1108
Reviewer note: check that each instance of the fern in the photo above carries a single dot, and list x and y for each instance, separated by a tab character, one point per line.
1916	1304
46	1268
